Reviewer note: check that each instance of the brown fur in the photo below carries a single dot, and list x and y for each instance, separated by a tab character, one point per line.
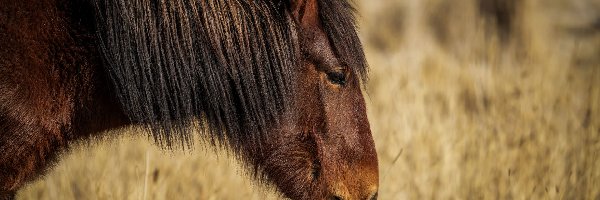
53	91
48	98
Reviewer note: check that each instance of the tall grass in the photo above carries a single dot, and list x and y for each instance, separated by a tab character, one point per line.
481	118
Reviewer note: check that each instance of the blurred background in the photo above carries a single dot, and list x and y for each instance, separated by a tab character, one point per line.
467	99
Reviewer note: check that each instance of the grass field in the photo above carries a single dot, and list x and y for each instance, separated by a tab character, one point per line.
457	112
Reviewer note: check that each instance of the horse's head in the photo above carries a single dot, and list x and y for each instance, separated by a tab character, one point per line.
324	149
236	64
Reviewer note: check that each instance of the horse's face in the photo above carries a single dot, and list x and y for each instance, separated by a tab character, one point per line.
324	149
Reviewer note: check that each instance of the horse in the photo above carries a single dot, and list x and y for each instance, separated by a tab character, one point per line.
276	82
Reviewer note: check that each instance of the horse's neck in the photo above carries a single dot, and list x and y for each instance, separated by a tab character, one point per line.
52	88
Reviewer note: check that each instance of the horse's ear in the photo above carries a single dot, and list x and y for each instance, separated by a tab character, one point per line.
305	13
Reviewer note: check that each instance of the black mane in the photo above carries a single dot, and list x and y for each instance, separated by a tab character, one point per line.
226	62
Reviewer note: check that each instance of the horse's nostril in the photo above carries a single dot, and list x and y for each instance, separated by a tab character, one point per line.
335	197
374	196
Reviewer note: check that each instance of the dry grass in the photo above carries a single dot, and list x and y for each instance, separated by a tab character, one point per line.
455	114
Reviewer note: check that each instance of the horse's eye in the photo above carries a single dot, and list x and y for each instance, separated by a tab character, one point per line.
338	78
